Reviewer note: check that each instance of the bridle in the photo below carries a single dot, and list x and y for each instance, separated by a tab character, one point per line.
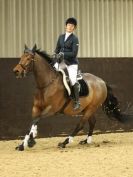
27	66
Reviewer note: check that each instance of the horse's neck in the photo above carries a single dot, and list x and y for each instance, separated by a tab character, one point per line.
42	71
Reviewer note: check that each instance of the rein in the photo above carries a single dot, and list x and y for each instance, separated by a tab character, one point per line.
50	82
47	85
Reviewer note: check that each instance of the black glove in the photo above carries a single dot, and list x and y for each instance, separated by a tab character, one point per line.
60	57
53	55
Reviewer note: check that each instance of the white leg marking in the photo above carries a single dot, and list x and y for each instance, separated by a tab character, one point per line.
89	139
70	139
26	140
34	130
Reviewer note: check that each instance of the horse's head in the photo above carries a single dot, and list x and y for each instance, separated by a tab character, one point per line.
25	63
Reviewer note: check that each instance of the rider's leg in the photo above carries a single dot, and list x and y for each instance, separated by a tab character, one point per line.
72	70
76	96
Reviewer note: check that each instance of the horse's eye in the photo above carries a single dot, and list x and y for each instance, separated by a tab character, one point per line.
29	59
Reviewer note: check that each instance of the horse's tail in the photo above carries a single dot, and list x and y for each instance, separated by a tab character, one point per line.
111	106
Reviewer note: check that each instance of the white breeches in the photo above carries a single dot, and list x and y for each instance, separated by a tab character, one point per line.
56	65
72	71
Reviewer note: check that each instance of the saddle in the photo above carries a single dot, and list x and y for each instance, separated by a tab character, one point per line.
83	87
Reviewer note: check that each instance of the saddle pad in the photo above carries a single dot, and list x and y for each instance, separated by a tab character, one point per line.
84	90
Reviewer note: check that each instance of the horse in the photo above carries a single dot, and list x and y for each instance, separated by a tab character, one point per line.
51	97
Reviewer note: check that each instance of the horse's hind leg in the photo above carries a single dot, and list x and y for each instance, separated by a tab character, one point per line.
68	140
92	122
87	114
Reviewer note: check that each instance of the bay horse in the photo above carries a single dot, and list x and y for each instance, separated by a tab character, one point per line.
51	96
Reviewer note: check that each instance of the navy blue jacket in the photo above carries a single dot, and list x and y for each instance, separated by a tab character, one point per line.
69	48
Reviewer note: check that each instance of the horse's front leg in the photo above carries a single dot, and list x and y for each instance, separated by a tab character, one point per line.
33	133
29	139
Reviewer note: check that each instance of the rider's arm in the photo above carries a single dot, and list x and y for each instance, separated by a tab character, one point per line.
73	53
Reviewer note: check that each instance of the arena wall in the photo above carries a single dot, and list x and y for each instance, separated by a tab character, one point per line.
16	98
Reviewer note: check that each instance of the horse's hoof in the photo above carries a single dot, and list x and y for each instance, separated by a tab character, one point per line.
31	143
20	147
61	145
83	142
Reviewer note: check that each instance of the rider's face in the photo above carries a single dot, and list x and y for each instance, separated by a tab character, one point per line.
70	28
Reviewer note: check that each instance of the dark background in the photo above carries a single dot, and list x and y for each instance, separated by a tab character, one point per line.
16	98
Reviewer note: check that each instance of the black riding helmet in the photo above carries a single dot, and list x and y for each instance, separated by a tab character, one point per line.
71	21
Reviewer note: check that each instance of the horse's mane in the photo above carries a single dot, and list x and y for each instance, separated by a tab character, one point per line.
45	56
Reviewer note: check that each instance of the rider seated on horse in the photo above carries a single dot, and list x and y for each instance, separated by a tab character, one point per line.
67	48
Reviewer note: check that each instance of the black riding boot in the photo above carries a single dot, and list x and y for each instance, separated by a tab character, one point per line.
76	96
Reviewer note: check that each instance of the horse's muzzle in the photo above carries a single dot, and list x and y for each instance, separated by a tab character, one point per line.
18	74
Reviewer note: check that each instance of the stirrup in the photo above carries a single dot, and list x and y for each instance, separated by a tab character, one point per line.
76	105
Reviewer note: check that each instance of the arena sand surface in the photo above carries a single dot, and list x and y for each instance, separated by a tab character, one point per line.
110	155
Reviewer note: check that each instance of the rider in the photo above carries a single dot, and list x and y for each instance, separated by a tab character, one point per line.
67	48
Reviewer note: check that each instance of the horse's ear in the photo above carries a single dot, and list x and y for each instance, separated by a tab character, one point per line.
34	48
26	47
